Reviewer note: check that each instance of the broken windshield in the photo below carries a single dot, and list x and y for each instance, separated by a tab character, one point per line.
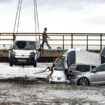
59	65
26	45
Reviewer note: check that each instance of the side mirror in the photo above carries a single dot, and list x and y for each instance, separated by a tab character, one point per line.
93	71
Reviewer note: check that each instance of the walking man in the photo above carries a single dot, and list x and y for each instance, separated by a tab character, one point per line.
44	39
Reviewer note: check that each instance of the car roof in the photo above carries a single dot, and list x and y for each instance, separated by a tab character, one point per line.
25	39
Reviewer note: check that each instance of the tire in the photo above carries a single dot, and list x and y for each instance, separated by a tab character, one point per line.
83	82
11	64
35	64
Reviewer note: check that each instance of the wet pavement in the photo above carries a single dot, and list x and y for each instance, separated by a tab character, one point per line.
19	91
43	93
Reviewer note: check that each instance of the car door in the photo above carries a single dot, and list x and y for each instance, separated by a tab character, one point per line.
98	76
71	58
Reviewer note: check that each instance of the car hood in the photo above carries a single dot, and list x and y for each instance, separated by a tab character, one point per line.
80	73
58	73
75	73
85	74
23	52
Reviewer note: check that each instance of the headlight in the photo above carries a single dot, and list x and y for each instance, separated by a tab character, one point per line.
32	54
75	76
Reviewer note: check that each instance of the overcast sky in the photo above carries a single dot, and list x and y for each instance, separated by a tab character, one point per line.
56	15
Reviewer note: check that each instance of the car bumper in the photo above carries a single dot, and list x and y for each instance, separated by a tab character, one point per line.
73	79
58	80
22	60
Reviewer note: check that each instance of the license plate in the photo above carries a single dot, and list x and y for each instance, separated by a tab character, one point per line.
59	78
21	60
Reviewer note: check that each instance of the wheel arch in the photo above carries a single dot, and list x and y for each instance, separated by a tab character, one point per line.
81	78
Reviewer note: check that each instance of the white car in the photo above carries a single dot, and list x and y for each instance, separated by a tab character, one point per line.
24	52
58	74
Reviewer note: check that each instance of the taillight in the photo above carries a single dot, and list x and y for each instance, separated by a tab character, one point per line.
66	71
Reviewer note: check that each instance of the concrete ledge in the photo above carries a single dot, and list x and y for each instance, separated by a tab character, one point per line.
41	59
4	59
45	56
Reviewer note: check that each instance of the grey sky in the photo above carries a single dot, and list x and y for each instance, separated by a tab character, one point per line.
5	1
57	15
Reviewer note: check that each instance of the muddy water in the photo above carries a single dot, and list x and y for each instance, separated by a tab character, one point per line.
43	93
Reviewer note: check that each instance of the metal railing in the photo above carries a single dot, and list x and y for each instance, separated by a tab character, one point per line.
88	41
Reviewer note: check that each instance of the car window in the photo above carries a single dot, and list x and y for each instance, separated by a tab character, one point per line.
83	68
25	45
59	64
100	68
32	45
19	45
71	58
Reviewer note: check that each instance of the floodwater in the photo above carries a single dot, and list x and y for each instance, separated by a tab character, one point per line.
43	93
40	92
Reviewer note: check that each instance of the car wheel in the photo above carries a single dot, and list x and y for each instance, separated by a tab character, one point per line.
35	64
11	64
83	82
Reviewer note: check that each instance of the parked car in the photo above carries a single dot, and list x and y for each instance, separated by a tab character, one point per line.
94	76
24	52
74	68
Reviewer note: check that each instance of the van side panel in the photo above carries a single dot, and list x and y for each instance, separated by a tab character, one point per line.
71	58
86	57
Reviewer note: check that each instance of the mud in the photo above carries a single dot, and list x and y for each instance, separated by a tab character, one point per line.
43	93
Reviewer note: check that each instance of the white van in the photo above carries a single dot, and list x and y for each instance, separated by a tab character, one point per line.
24	51
72	56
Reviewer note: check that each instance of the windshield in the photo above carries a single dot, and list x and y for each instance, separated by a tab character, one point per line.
26	45
59	65
71	57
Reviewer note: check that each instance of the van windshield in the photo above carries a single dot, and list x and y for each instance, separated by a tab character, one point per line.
26	45
59	64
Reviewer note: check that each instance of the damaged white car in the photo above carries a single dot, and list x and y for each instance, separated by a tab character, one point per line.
58	74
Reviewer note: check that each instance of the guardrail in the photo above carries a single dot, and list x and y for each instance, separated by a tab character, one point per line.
88	41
